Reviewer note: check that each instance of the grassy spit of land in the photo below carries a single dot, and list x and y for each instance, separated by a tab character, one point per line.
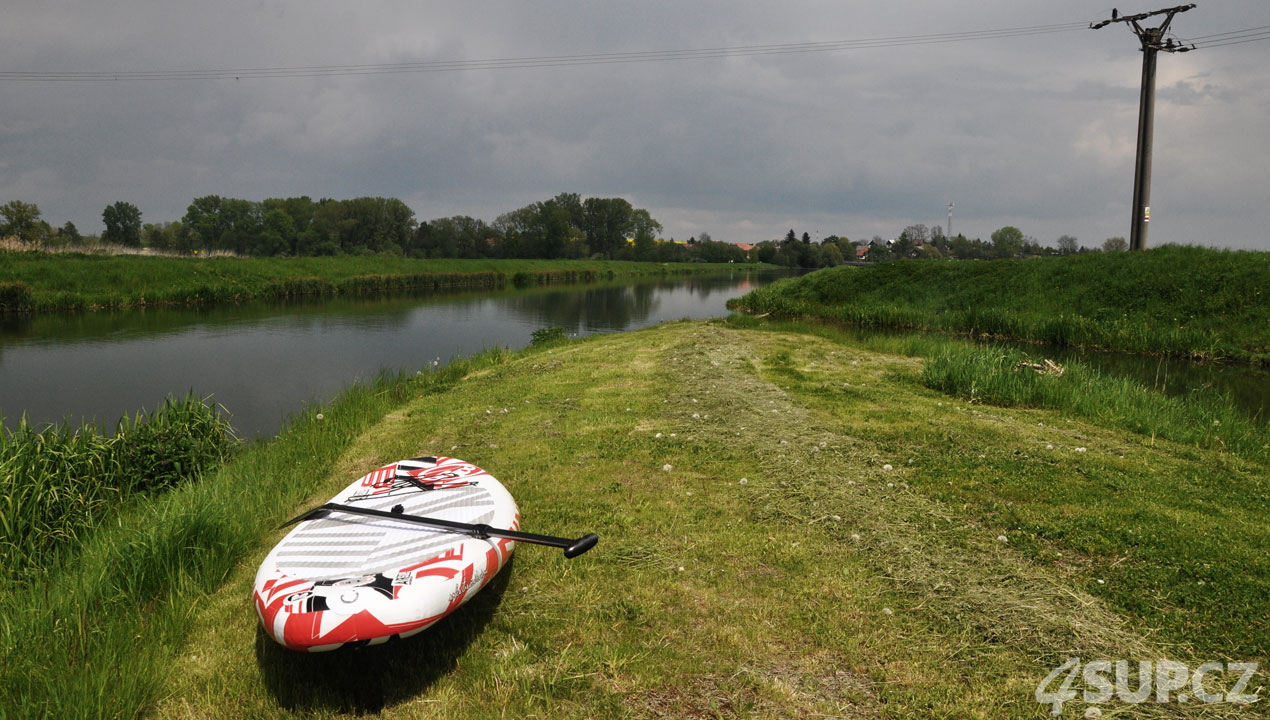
790	527
1183	301
38	282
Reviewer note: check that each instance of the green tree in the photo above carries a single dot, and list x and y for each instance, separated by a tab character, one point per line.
766	252
71	233
1007	242
1114	244
279	235
829	255
123	224
646	230
606	222
21	220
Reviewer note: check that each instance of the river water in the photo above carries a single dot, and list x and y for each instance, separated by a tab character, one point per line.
263	362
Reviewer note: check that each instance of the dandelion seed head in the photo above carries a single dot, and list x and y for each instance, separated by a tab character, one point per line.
887	467
744	480
665	468
855	537
1002	538
320	416
888	611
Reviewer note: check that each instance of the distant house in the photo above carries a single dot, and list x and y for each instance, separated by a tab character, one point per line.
862	252
745	247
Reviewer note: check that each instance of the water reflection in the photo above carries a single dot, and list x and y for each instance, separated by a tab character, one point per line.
265	361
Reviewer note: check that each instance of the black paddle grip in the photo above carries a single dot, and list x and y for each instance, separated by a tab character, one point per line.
581	545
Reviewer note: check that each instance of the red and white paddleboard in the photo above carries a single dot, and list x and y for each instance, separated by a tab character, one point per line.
351	573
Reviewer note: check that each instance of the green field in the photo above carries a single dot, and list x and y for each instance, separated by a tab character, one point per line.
1182	301
39	282
791	526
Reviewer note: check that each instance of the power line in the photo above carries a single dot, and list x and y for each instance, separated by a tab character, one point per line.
1235	40
1231	32
535	62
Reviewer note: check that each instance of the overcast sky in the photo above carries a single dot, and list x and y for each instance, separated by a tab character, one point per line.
1036	131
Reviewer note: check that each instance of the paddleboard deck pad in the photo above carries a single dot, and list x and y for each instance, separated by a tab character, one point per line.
342	579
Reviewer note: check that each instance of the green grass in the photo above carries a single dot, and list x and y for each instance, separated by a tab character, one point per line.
1183	301
824	542
33	281
94	635
58	483
1013	377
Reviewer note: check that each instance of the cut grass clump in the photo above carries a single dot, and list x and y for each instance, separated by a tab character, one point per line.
58	483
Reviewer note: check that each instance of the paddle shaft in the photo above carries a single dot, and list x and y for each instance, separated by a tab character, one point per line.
572	547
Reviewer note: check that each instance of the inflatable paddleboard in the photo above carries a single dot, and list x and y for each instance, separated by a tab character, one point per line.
363	569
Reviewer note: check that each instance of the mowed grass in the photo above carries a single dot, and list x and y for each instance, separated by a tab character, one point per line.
790	527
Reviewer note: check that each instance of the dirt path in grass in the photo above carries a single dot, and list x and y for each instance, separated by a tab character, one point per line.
767	550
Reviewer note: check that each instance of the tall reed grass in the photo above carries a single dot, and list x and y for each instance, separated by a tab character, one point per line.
1006	377
56	484
42	282
1180	301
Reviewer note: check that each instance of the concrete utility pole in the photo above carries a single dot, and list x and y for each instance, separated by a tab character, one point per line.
950	207
1153	41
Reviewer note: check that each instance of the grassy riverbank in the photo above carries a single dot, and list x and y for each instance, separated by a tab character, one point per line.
40	282
790	526
1182	301
59	482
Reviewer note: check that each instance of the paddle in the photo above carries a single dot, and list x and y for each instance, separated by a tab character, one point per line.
572	548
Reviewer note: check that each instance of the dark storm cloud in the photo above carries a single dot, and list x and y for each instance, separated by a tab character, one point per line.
1033	131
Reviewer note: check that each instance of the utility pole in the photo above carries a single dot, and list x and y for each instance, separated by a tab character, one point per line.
950	207
1153	41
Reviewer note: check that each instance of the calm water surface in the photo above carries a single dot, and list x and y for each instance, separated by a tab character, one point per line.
264	362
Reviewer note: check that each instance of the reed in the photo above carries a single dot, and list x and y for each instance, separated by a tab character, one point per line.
43	282
1179	301
1011	377
58	483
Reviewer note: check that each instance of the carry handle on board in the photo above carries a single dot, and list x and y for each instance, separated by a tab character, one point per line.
572	547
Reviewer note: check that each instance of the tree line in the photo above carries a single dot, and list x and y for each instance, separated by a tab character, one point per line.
566	226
